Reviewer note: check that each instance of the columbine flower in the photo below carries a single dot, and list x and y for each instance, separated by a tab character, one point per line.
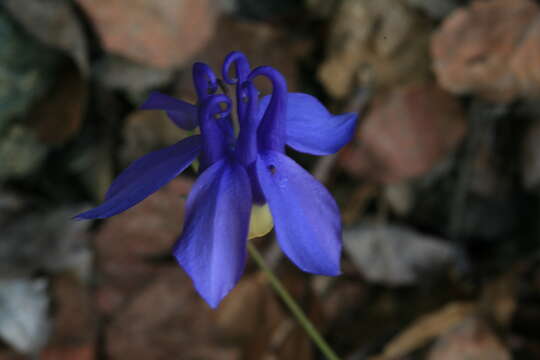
237	174
310	127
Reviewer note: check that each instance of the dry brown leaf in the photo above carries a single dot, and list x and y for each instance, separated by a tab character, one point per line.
499	297
425	329
471	340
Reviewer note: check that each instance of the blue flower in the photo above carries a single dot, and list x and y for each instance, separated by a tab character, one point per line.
238	173
310	127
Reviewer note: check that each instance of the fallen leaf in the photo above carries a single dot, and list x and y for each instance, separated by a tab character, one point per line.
425	329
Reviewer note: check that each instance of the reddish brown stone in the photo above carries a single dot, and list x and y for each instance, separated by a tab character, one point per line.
406	133
159	33
489	48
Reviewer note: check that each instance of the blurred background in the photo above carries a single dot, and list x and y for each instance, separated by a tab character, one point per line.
439	189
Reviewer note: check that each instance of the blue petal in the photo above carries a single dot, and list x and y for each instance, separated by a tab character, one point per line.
310	128
306	217
144	176
182	113
212	247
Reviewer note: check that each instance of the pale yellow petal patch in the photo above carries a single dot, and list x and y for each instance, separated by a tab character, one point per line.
260	222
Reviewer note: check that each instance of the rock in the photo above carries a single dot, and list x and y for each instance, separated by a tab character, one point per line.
472	339
24	322
490	49
407	132
395	255
378	43
166	318
55	23
146	131
162	33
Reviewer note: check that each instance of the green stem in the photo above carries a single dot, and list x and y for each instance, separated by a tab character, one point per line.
292	305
